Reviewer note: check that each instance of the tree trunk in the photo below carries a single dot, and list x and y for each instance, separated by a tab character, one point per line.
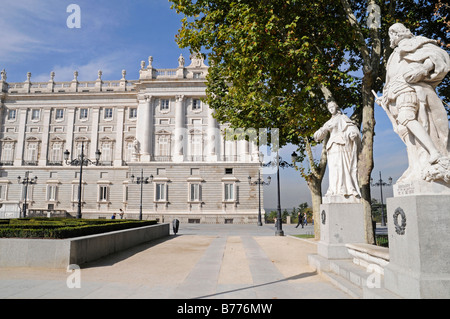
314	181
315	187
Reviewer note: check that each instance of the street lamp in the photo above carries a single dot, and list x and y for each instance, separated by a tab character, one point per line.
259	182
141	181
283	164
381	184
26	181
82	161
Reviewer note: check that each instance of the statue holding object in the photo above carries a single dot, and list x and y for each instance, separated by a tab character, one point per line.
414	69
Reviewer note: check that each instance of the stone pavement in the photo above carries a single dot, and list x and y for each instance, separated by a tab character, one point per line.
202	261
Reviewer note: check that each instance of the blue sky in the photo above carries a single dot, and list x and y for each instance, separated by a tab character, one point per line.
117	35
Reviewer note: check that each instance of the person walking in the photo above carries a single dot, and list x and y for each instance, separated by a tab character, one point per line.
300	219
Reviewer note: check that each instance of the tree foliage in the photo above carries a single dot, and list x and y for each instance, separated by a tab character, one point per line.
276	63
269	60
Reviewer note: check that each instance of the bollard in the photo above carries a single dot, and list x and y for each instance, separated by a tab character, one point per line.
175	224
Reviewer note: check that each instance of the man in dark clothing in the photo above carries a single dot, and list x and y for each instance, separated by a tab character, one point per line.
300	219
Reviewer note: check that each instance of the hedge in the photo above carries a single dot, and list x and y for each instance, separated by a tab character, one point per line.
64	228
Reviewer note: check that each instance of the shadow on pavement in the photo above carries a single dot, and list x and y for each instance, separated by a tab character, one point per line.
114	258
299	276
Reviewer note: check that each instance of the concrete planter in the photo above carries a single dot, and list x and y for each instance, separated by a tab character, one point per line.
60	253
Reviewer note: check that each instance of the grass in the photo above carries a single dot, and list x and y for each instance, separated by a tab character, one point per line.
304	236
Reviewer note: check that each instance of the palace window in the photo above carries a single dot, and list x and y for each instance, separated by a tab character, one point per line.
3	190
133	113
108	114
56	153
32	153
75	189
59	114
7	152
164	105
229	192
52	192
12	115
196	147
28	189
35	114
194	192
160	192
103	193
106	157
196	105
163	143
84	114
129	151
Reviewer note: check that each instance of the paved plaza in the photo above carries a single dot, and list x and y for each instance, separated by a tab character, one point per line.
202	261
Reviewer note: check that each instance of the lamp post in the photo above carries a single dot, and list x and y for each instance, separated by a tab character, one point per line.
381	183
283	164
26	181
259	182
81	161
141	181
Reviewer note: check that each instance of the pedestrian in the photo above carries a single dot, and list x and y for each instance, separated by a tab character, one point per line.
121	213
300	219
113	216
306	220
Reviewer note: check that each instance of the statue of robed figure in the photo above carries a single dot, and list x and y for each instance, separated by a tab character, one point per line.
342	155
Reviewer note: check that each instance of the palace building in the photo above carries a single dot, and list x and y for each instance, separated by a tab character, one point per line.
151	145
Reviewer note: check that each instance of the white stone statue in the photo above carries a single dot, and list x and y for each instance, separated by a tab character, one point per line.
342	152
181	61
136	150
414	69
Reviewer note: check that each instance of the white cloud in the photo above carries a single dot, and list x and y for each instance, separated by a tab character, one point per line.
110	65
31	28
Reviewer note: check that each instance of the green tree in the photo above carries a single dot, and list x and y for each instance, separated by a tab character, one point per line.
272	63
276	63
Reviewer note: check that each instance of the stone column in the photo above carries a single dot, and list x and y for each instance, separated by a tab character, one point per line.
144	128
94	133
70	126
180	130
45	136
18	155
213	134
118	152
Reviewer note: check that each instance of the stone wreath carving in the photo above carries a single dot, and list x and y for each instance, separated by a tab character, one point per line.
324	217
399	229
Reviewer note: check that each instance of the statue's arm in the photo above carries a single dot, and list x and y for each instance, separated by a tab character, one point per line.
322	132
419	72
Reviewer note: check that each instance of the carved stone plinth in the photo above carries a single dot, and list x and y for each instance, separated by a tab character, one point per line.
340	224
419	246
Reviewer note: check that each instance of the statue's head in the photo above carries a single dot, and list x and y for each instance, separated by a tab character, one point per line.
398	32
333	107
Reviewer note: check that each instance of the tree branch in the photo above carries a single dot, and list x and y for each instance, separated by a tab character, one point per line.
360	40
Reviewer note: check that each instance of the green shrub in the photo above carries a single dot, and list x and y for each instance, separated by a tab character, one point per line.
65	228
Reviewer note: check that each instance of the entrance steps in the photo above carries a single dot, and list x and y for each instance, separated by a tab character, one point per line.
361	277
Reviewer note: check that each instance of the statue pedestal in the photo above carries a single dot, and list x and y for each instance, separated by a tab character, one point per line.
340	224
419	246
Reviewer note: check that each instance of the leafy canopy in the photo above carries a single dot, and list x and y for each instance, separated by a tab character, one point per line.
270	59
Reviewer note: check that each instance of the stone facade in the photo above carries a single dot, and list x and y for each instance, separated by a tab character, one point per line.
157	127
